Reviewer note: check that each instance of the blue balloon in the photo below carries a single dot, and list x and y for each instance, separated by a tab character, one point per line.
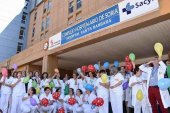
125	85
106	65
96	66
164	83
116	63
89	87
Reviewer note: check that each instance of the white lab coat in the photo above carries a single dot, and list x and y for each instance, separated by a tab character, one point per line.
73	85
17	95
87	106
161	71
116	94
138	104
58	104
48	108
43	84
5	93
57	85
26	106
103	92
78	106
81	85
67	106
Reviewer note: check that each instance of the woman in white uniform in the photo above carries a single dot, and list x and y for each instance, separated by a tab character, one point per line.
6	91
73	82
136	83
87	101
79	98
102	90
56	79
44	82
18	93
116	90
67	106
60	102
47	94
26	106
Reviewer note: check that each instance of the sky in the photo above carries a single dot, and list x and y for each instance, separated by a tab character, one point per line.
8	10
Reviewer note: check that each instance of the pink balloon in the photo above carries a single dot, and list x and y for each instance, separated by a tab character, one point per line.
4	72
15	66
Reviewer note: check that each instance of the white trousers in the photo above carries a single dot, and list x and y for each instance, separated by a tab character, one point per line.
71	108
16	102
5	102
116	102
87	108
28	108
47	109
105	107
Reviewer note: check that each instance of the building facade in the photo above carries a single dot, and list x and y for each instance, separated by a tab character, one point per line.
13	38
70	33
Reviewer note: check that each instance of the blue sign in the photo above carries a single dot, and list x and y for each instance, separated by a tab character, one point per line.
97	22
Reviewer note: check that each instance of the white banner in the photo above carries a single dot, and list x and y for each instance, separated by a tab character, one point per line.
54	41
130	9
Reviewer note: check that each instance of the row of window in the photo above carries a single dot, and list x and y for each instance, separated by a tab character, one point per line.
71	5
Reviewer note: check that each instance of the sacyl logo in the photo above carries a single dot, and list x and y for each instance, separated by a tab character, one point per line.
129	7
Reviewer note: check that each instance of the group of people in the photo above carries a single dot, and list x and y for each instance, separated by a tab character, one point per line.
16	94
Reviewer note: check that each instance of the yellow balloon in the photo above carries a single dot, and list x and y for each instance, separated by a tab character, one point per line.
158	49
104	78
139	95
37	90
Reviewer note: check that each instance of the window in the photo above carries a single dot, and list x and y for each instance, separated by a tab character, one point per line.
21	33
35	16
71	6
26	5
49	4
47	22
78	15
33	32
70	20
24	17
45	7
79	4
43	25
20	47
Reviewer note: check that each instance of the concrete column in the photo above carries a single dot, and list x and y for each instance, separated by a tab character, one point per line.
49	63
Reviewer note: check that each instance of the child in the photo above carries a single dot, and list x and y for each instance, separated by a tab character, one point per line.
26	106
47	94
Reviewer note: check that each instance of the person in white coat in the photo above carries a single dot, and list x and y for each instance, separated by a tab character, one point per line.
6	91
73	83
18	93
26	106
44	82
47	94
137	84
60	102
102	90
67	106
79	99
156	95
116	90
56	79
88	98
